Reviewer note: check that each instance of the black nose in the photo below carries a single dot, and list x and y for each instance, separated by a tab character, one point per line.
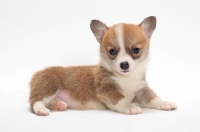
124	65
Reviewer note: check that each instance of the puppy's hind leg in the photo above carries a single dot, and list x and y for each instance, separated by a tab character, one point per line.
41	107
43	89
57	105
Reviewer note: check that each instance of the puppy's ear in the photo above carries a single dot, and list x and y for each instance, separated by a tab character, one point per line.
148	25
98	28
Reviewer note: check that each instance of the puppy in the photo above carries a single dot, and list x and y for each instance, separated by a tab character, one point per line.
117	83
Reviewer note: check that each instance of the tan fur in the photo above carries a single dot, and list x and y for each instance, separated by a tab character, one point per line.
79	81
144	96
102	86
134	37
107	89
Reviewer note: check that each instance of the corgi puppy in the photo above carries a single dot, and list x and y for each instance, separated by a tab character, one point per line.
117	83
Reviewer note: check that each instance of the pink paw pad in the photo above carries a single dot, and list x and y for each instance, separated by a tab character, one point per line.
59	105
41	113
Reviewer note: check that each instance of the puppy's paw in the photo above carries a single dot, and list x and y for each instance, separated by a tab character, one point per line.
163	105
40	109
59	105
167	106
133	110
43	112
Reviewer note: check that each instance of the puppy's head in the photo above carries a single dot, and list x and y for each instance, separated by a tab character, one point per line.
123	46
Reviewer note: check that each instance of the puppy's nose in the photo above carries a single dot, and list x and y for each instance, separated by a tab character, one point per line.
124	65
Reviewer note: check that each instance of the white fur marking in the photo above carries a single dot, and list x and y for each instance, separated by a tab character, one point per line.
124	106
40	109
132	82
120	37
159	104
122	55
39	106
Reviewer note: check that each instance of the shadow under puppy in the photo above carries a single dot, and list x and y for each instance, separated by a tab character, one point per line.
117	83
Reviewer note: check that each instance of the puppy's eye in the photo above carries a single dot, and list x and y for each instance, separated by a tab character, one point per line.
135	50
113	52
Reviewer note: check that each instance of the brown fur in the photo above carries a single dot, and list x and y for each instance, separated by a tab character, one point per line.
144	96
95	84
46	83
83	82
134	38
109	42
88	83
107	90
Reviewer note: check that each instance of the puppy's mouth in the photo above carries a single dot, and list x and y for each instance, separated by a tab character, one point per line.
125	71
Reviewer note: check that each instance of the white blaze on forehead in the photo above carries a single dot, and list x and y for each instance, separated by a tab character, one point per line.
122	55
120	36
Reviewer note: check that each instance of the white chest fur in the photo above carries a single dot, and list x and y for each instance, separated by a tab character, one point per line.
131	83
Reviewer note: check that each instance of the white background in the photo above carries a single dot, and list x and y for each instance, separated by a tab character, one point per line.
35	34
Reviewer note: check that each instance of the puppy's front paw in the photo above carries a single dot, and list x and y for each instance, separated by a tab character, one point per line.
133	110
167	106
163	105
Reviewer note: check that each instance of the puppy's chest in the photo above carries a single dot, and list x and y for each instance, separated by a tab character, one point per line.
130	85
